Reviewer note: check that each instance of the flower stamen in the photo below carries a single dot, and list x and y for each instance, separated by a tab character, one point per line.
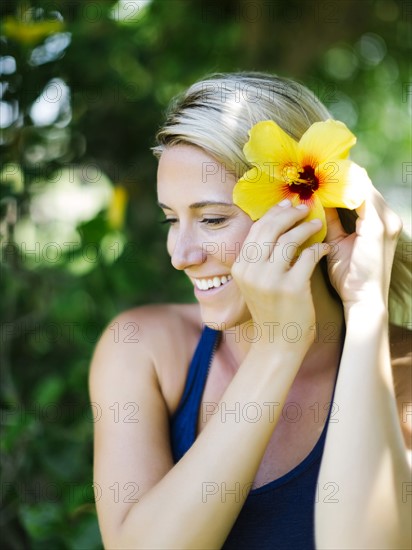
304	181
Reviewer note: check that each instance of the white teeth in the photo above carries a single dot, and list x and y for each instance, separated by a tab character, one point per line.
216	282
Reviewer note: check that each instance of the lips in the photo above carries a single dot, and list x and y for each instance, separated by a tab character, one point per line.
212	282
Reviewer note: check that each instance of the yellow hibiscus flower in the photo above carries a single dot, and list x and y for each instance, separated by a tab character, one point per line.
314	171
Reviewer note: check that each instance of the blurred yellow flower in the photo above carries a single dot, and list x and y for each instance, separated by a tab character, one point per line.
117	207
314	171
30	32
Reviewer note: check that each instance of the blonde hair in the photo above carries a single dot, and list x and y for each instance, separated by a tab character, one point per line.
216	114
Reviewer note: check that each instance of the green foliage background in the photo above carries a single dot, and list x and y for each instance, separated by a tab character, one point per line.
85	85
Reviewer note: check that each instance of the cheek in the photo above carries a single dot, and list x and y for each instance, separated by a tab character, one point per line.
231	244
244	231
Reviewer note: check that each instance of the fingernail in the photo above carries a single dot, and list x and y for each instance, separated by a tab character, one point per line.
285	202
302	206
317	221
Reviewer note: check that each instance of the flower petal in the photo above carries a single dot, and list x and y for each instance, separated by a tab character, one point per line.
316	211
256	192
342	183
324	141
271	148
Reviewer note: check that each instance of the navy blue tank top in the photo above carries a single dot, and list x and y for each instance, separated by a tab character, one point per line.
278	515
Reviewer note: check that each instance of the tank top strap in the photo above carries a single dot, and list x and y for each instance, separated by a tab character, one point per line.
182	425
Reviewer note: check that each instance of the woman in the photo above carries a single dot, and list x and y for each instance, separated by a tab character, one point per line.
218	428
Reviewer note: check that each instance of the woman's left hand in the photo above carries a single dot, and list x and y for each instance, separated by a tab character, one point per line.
360	264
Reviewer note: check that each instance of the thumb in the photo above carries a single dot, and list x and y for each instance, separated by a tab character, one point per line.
334	228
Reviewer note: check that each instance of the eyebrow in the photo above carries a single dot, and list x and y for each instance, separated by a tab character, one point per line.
197	205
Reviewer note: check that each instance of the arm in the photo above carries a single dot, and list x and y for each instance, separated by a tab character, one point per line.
174	507
365	453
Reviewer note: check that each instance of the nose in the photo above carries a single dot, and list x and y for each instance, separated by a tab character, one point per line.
187	251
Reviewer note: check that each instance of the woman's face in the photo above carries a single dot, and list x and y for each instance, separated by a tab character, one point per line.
206	230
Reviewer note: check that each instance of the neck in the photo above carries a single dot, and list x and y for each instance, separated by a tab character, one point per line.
325	350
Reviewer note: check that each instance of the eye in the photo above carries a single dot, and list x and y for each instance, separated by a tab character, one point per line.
213	221
169	221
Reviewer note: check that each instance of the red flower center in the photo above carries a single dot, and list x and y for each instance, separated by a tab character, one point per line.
307	184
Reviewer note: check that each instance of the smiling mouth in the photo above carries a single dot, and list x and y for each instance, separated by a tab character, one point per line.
214	282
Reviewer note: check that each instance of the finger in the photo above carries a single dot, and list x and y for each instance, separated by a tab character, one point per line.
288	244
376	209
334	228
305	265
267	230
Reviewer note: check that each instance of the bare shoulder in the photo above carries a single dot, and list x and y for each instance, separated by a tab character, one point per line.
401	357
165	333
137	375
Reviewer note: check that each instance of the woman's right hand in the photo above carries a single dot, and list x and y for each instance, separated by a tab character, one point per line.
275	286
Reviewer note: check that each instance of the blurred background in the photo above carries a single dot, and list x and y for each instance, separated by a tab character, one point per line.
84	88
